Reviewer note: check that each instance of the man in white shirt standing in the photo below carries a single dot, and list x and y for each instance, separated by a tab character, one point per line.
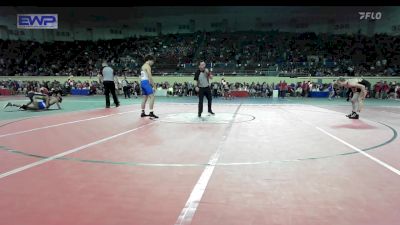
109	84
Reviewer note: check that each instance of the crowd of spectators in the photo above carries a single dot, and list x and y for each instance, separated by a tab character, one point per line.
305	53
227	53
379	90
84	58
21	87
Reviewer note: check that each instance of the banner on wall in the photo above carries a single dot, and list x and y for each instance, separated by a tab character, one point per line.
37	21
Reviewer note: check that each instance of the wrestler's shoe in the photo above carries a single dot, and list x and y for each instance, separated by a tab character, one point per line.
354	116
352	113
143	114
152	115
211	113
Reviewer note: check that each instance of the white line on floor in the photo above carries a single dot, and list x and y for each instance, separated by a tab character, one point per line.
187	213
387	166
66	123
380	162
62	154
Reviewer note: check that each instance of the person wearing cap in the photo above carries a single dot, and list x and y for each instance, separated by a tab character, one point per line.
109	85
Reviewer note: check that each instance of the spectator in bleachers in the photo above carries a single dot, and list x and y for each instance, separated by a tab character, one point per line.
301	53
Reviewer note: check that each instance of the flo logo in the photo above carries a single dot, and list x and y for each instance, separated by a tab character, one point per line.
370	15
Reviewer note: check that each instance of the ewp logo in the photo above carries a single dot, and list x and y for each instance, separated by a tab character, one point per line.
37	21
370	15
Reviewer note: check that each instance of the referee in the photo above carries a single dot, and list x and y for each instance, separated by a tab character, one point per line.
109	85
203	76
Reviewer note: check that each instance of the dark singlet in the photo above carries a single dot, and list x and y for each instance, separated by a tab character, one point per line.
365	83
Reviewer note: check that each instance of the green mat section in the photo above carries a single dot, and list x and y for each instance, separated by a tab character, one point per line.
82	103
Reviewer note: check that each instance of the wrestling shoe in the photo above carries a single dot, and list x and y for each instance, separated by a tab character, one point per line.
211	113
354	116
143	114
152	115
352	113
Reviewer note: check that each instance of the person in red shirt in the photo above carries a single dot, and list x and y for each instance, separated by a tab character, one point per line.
282	89
378	89
305	88
385	90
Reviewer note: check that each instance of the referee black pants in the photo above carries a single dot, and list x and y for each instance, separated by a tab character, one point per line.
204	91
109	87
127	91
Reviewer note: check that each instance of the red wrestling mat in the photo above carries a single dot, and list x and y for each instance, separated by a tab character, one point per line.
249	164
